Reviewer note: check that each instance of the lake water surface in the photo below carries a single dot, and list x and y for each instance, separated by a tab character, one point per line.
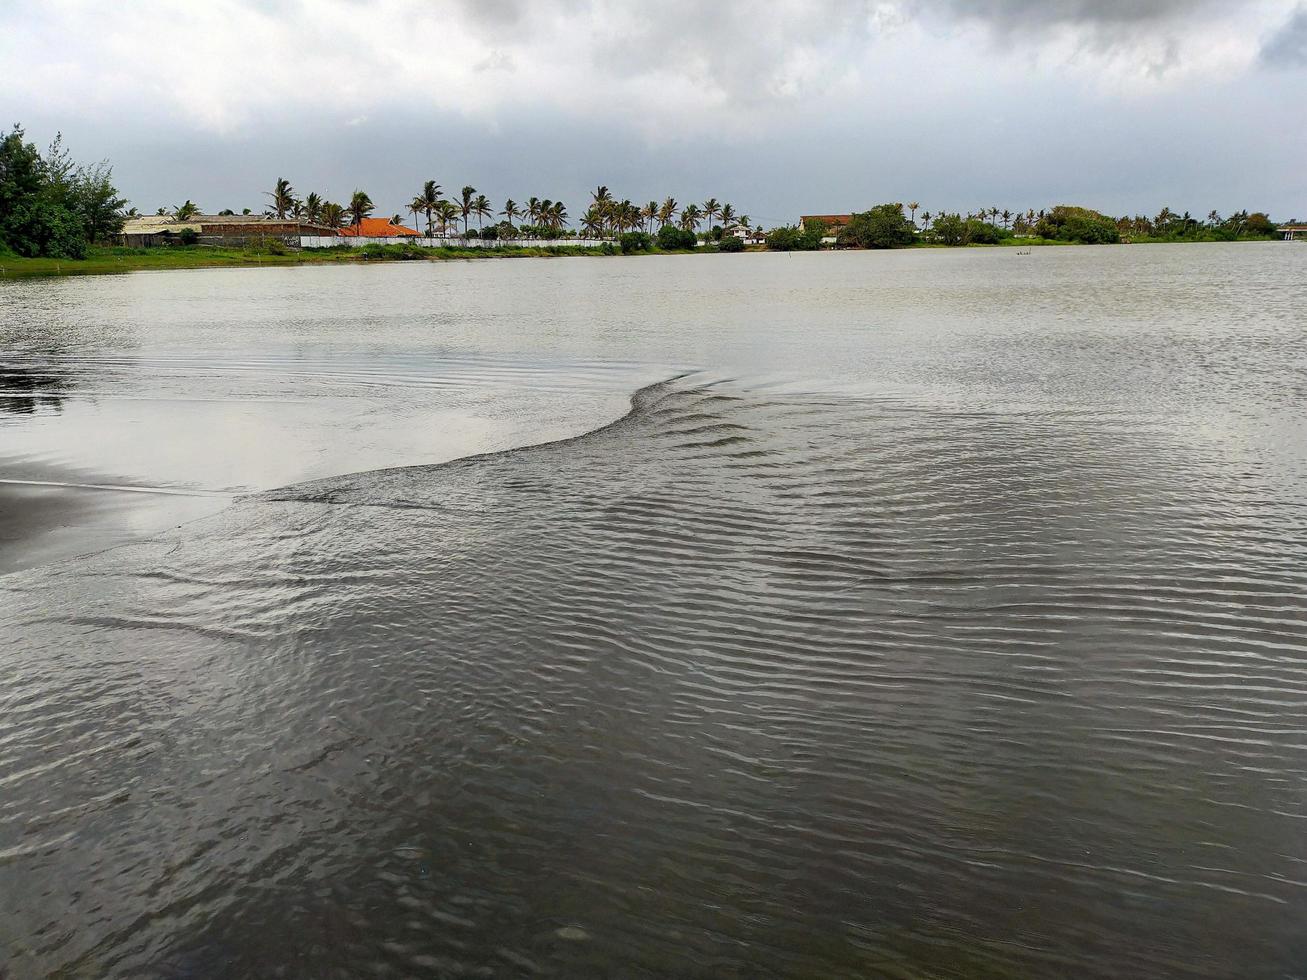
913	614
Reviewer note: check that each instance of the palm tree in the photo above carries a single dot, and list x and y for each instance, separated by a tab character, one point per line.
667	211
313	208
333	215
359	207
690	216
648	213
186	211
592	222
1213	217
533	210
728	217
912	207
417	205
446	212
558	216
430	197
925	220
510	210
482	209
283	198
711	208
468	194
1007	217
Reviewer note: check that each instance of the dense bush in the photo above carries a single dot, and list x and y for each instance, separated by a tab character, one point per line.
672	239
635	241
789	238
884	226
731	244
188	236
982	232
1073	224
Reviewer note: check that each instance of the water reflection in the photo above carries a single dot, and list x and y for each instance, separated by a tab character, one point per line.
32	388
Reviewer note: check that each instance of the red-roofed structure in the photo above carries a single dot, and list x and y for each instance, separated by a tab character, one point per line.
377	228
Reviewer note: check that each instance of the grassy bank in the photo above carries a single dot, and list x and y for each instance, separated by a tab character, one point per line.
109	260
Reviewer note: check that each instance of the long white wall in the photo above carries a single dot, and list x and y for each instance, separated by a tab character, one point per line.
331	241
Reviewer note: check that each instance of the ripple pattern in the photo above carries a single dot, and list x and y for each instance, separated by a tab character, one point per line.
748	683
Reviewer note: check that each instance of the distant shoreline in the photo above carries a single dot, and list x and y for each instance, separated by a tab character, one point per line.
119	260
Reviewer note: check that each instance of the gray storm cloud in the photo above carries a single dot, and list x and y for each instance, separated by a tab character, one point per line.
1287	47
783	105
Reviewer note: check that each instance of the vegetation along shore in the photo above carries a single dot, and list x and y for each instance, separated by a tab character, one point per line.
58	217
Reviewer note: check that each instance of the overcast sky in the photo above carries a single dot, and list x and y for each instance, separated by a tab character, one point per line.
778	106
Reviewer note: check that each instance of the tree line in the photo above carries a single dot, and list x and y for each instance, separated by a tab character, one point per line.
604	217
895	226
49	204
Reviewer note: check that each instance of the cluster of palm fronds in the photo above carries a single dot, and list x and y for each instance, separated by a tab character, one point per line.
608	217
316	209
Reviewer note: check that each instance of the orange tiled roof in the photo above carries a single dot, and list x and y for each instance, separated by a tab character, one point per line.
376	228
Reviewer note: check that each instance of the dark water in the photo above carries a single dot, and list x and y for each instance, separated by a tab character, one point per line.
956	637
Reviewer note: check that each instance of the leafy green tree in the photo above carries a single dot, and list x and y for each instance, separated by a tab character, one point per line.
673	239
1075	224
884	226
38	202
635	241
982	232
1258	225
730	243
950	229
789	238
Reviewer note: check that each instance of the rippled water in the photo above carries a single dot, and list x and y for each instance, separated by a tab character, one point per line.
926	614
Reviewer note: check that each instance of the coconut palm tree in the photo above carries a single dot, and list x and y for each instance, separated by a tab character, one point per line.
510	211
690	217
728	217
667	211
925	220
333	215
482	209
592	222
186	210
360	206
533	210
313	208
430	197
283	198
912	207
446	213
467	196
1007	217
648	213
417	205
558	216
710	209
